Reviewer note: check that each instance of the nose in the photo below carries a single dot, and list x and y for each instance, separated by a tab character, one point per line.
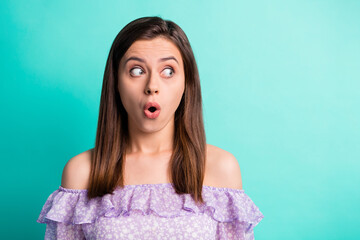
151	87
149	91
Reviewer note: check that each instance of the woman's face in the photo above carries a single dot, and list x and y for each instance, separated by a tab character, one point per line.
151	71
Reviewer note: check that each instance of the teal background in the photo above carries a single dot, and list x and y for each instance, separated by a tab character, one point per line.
280	83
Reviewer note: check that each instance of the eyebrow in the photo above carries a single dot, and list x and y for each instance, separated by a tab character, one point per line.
143	61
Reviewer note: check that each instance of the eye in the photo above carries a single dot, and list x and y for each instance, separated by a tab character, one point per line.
169	71
136	71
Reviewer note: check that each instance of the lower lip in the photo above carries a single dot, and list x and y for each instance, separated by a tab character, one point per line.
151	115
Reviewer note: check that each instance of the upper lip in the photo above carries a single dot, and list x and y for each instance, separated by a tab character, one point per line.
152	104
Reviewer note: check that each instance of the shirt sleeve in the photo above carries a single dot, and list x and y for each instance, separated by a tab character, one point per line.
58	230
64	214
234	230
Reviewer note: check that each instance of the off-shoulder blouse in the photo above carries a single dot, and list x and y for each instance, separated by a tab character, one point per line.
149	211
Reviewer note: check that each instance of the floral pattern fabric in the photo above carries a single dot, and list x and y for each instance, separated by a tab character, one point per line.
150	211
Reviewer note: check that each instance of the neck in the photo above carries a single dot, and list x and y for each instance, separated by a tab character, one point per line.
151	141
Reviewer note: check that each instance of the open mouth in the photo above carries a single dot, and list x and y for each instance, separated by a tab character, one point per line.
152	109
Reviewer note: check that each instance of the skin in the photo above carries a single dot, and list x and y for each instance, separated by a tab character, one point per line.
151	140
166	80
135	77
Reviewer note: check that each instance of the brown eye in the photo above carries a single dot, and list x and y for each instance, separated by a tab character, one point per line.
136	71
169	72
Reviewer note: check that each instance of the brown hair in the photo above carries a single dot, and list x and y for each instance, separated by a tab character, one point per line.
187	163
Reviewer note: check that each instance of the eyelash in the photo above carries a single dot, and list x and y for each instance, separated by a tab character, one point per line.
172	69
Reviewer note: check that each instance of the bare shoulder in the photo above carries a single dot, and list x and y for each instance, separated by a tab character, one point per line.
77	171
223	168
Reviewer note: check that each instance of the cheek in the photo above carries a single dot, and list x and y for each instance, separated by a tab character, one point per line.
178	95
126	95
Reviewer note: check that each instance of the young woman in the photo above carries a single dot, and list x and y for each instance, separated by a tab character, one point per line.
151	174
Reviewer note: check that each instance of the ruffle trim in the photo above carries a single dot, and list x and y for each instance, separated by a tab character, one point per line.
71	206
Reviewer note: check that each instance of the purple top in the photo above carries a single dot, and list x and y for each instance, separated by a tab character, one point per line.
149	211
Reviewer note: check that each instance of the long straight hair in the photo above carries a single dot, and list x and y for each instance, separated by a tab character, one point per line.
187	163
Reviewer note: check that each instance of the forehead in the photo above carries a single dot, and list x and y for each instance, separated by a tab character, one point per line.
154	48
